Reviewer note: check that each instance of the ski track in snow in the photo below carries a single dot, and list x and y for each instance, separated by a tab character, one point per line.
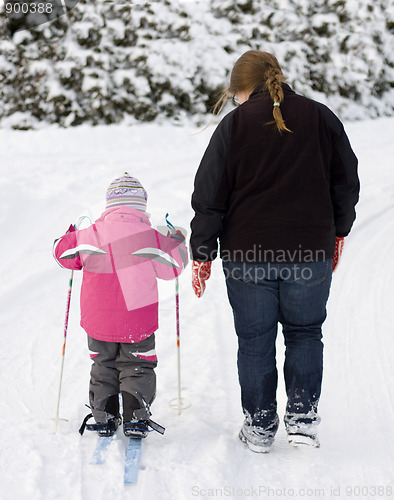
50	177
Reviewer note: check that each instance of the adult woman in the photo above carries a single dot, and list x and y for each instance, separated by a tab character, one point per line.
277	185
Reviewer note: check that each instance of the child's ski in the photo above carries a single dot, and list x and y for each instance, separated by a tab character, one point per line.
132	461
98	457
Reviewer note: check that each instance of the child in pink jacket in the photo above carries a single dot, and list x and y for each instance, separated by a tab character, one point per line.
121	256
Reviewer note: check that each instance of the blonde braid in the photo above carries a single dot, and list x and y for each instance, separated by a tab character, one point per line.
273	83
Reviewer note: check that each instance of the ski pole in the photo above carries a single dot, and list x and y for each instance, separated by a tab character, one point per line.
178	344
177	403
70	285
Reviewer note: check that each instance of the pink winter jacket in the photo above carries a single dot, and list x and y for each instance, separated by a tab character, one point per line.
121	255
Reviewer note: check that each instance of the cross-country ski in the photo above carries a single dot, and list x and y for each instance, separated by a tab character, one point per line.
132	461
99	454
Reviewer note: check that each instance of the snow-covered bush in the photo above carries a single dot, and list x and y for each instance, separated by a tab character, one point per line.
117	61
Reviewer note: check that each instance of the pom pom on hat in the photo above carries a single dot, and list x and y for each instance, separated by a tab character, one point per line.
126	190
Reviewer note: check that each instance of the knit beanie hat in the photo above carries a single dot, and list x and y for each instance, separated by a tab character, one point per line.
126	190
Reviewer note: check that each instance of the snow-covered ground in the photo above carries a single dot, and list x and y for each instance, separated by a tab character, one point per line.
50	177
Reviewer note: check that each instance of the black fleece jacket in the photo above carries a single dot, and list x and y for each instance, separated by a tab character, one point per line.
270	196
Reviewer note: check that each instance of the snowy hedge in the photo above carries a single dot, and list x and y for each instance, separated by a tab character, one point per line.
122	61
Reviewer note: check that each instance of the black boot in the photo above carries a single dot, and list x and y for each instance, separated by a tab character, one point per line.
135	428
112	405
130	404
107	428
135	418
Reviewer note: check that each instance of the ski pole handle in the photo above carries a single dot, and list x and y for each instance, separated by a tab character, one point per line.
170	226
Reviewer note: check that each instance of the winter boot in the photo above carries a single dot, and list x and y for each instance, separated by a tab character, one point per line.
303	440
302	437
105	428
135	418
135	428
258	439
112	419
302	434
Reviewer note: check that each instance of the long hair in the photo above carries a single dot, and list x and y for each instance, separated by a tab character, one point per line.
256	69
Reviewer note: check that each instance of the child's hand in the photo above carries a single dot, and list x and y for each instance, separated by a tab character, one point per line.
178	235
201	271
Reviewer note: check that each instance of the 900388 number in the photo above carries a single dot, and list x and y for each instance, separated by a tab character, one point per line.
28	8
369	491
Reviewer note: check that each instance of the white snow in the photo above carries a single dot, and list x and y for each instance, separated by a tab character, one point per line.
51	176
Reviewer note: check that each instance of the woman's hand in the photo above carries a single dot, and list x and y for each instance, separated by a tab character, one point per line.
339	243
201	271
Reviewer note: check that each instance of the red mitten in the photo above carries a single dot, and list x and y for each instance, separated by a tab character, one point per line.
178	235
201	271
339	243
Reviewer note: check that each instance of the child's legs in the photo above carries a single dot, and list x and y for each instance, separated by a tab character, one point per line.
104	379
136	363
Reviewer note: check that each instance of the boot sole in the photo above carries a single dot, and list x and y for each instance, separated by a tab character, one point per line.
303	440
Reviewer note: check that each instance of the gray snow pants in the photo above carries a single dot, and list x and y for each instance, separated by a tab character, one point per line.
117	368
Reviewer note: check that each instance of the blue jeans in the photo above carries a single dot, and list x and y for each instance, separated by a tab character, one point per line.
261	296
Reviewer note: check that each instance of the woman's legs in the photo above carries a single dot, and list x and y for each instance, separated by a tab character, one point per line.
303	299
262	295
255	303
